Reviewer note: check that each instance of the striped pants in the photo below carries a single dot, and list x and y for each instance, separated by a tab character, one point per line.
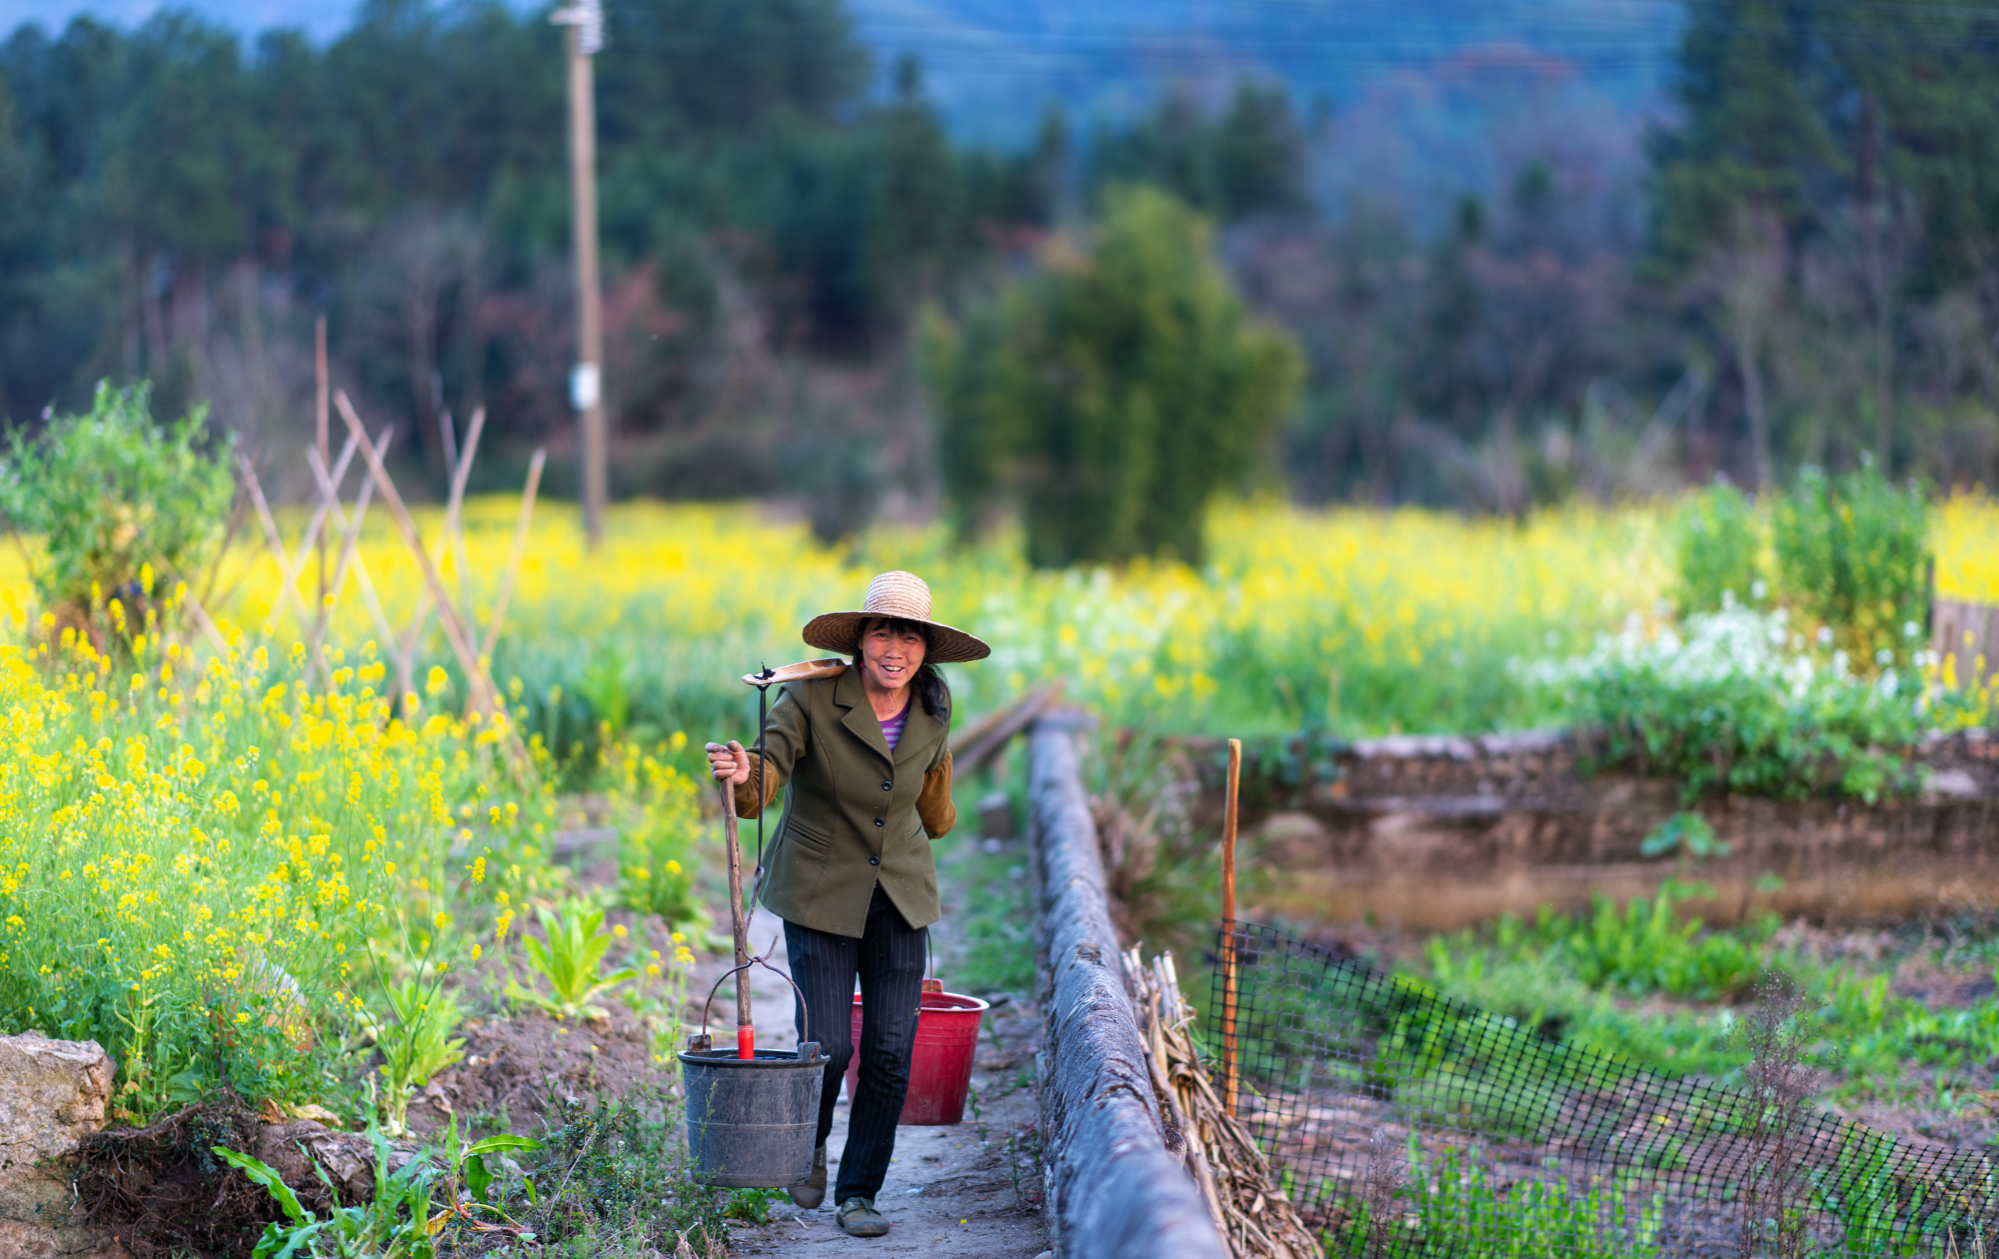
888	958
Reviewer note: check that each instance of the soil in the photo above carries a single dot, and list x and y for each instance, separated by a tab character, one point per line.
515	1068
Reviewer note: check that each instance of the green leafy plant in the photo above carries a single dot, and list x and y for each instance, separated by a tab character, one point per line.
396	1224
1688	834
752	1206
1453	1208
120	504
1733	702
419	1044
1853	556
576	945
1648	947
1715	545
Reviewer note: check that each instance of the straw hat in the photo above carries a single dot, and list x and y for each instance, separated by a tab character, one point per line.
901	596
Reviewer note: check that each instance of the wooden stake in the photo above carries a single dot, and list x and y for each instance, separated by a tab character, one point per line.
404	683
273	537
514	560
361	578
349	548
1229	926
454	629
745	1032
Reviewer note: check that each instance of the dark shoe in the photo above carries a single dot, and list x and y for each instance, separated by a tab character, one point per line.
813	1191
859	1217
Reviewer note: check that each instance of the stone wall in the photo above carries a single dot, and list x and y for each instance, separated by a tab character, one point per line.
1437	833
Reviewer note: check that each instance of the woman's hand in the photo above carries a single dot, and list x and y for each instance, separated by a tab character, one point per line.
731	762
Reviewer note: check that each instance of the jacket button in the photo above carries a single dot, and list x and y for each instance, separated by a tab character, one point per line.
874	861
878	821
888	786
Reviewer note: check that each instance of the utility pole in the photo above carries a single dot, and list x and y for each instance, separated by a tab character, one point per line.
585	38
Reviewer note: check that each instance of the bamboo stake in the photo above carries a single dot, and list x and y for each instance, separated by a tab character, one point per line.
1229	925
361	578
272	537
350	545
454	630
463	465
514	559
315	536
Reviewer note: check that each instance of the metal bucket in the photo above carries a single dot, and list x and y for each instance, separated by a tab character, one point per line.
751	1124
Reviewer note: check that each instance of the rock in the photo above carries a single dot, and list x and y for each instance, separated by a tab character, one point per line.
53	1093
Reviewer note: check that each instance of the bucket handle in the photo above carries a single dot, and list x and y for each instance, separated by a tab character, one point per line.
804	1012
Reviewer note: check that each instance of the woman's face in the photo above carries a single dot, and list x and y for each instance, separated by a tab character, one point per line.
889	658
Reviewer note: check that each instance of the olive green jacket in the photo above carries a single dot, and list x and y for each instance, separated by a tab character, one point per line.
857	813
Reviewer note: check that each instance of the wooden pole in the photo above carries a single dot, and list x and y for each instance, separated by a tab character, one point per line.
453	504
1229	926
274	539
586	391
386	636
746	1036
454	630
351	535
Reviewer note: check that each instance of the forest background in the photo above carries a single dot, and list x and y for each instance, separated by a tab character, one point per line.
1786	254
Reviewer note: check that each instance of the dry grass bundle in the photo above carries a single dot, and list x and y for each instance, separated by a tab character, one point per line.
1250	1210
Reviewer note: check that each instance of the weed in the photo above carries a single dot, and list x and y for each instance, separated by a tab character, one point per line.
1688	834
1454	1209
1737	701
752	1206
1777	1086
394	1224
617	1169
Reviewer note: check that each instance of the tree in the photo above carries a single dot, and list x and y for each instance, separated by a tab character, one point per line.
1752	84
1249	160
1112	394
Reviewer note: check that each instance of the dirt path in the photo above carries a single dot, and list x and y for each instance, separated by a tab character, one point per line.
970	1191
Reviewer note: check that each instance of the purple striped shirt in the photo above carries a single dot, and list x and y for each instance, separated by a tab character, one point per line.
892	728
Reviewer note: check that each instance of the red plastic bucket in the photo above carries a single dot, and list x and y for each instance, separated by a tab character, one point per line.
940	1069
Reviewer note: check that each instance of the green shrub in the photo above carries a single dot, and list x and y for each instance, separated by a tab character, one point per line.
1715	545
122	505
1730	702
1853	555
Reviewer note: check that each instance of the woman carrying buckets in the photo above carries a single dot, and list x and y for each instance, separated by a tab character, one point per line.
850	870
